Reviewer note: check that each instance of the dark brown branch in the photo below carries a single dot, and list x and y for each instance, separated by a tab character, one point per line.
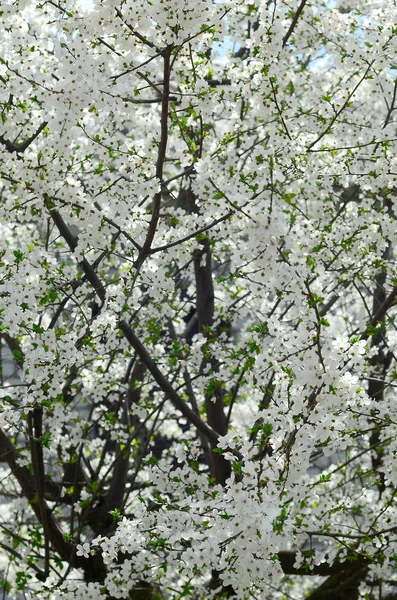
71	241
380	314
19	148
214	401
148	100
161	156
342	108
280	112
165	385
379	362
343	585
218	82
391	107
114	497
192	235
119	229
41	576
294	22
13	346
287	560
35	425
66	551
133	31
133	69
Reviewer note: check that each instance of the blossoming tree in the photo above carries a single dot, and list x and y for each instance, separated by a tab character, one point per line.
198	299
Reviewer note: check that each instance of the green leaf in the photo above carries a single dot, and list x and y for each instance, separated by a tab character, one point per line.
45	440
19	256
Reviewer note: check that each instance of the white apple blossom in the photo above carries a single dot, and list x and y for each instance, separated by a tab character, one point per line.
198	299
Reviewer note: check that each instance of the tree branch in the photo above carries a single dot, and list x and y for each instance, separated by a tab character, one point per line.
161	156
165	385
71	241
66	551
342	108
114	497
192	235
35	424
20	148
287	559
214	401
294	22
